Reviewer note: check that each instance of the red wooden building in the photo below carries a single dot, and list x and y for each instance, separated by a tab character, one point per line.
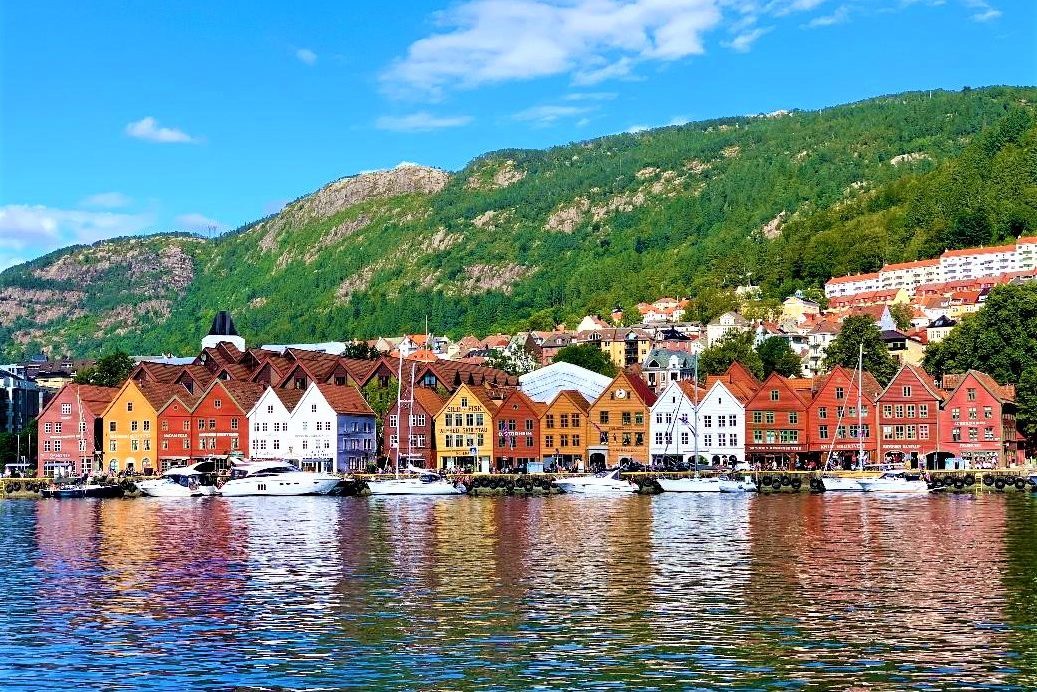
416	430
516	441
776	423
70	429
909	414
221	418
176	432
977	422
837	429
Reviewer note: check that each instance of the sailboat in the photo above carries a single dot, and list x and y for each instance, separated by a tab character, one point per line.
696	483
417	481
828	481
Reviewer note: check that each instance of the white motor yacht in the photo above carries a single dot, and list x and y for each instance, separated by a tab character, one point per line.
417	482
196	480
276	478
840	484
605	483
691	484
897	482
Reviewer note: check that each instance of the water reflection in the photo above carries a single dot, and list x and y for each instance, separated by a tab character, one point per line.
447	592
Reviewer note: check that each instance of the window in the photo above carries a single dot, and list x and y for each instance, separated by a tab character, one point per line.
840	393
134	445
529	426
757	436
793	418
887	432
973	434
923	432
955	413
906	391
147	444
46	428
627	439
639	418
129	406
923	410
685	438
576	441
549	440
147	425
217	403
887	410
721	439
603	417
774	395
563	420
82	445
201	424
66	409
270	409
46	445
732	421
625	417
164	425
768	416
395	420
233	423
956	434
988	434
972	413
733	439
910	410
721	421
563	440
971	393
659	418
464	402
988	413
133	426
82	428
111	426
822	432
469	420
707	421
479	420
899	408
576	420
757	416
313	408
276	444
789	436
421	421
840	432
111	446
187	426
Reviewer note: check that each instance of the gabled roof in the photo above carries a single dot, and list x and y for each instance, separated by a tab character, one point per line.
1003	393
429	399
345	399
691	391
483	395
645	393
799	388
156	372
924	378
159	394
289	396
93	398
979	251
245	394
573	395
870	387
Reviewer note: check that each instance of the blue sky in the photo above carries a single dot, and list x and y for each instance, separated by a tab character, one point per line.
123	118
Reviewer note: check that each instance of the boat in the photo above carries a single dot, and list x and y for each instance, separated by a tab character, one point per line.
745	484
604	483
196	480
895	482
275	478
418	481
61	492
831	483
691	484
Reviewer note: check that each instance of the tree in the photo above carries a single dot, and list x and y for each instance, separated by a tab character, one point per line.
777	356
857	330
381	398
1026	405
735	346
587	356
110	370
902	315
360	350
513	360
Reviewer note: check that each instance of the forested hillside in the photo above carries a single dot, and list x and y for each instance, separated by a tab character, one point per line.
523	238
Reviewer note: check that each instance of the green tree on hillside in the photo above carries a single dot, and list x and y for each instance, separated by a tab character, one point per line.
902	315
857	330
587	356
777	356
735	346
361	350
110	370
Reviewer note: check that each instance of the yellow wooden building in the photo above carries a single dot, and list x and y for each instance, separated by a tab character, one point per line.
464	430
130	425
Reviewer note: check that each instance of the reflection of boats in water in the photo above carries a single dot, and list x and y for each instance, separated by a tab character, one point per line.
605	483
61	492
183	481
898	482
417	482
745	484
276	478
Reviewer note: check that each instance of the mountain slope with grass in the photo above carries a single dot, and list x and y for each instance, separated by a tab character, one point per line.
528	238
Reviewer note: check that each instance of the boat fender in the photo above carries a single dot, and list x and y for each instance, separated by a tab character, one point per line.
766	480
1020	484
815	484
797	483
14	487
999	483
461	486
959	483
988	480
786	481
970	479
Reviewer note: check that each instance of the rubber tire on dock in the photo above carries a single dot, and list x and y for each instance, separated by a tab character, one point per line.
797	483
14	487
988	480
1020	484
766	481
786	481
959	483
999	483
970	479
816	485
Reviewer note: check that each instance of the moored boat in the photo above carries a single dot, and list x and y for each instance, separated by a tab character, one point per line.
895	482
82	490
832	483
745	484
691	484
605	483
276	478
417	482
196	480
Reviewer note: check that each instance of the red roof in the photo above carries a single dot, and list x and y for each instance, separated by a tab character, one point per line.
344	398
289	397
912	265
853	277
979	251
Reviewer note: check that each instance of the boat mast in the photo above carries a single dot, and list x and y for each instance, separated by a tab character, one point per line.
81	432
696	416
399	408
410	418
860	414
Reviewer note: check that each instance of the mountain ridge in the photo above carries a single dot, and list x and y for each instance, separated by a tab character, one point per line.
523	238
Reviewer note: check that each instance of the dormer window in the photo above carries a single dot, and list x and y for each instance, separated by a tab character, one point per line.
313	408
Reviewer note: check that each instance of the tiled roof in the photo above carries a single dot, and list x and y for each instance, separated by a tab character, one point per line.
289	397
246	394
429	400
345	399
912	265
979	251
575	397
641	388
853	277
159	394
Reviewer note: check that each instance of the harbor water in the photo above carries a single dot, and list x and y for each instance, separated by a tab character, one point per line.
706	592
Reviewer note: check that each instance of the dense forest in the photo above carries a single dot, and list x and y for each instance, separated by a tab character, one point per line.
528	239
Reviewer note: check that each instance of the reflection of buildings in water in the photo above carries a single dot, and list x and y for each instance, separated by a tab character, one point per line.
66	539
911	575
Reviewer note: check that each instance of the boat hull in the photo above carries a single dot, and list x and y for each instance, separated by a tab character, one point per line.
98	491
837	484
159	488
408	486
728	485
595	489
906	487
690	485
281	485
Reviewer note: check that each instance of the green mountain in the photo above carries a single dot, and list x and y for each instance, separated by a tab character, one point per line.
523	239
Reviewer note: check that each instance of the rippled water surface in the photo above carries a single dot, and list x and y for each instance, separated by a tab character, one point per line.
668	591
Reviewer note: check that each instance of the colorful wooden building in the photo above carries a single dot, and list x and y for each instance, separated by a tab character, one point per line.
221	419
564	431
415	428
909	414
176	434
839	430
619	422
70	429
516	443
464	430
776	423
977	422
131	425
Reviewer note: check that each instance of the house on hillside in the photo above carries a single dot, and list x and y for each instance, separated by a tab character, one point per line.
725	324
663	366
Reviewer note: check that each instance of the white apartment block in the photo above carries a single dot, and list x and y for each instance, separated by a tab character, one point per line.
954	265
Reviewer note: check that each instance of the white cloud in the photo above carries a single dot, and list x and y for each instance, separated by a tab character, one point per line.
149	129
196	222
422	121
582	122
106	200
591	96
307	56
743	42
548	115
36	229
841	14
493	41
985	12
634	129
